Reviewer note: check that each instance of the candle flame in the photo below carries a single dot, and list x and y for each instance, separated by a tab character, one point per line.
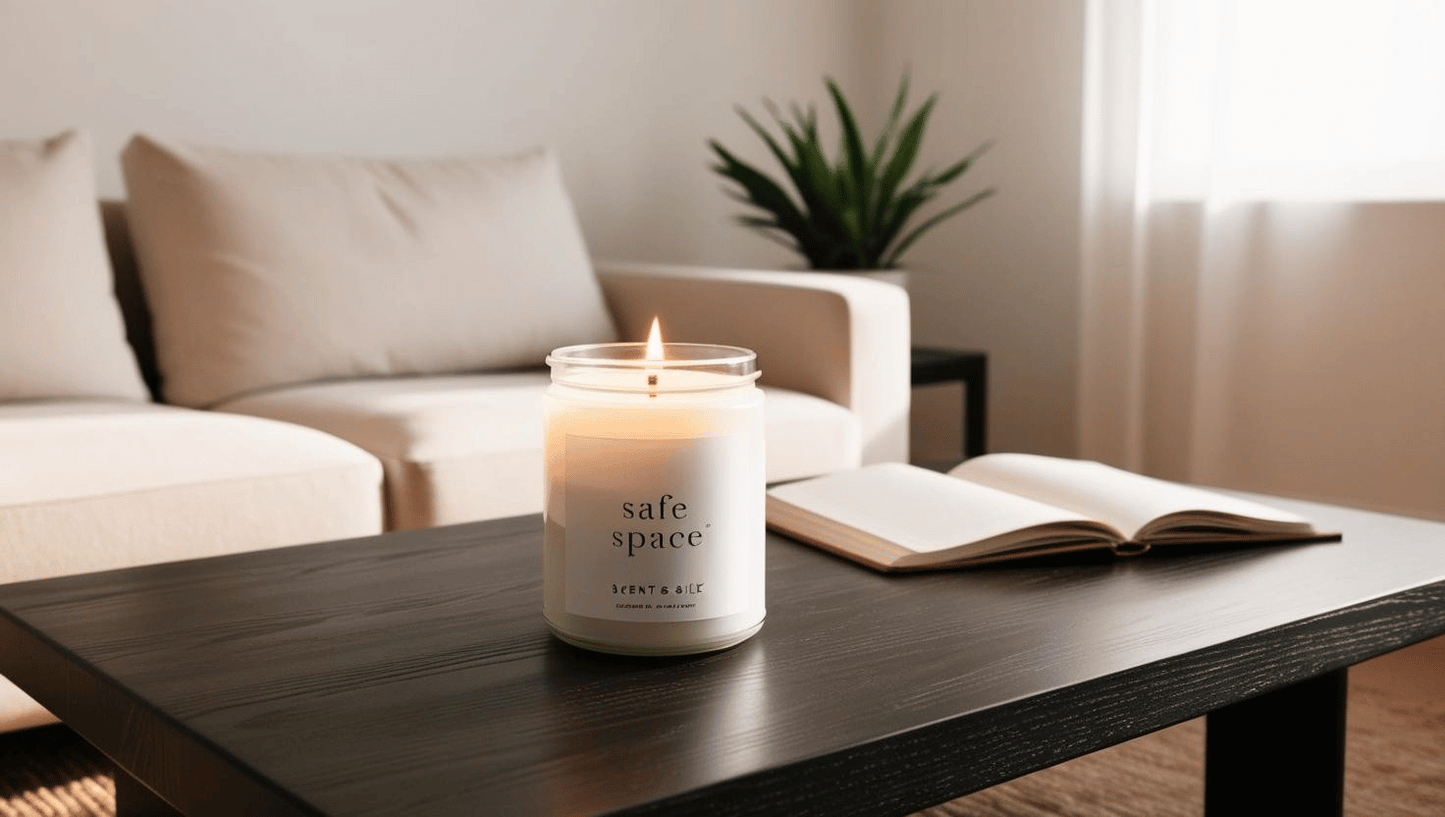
654	342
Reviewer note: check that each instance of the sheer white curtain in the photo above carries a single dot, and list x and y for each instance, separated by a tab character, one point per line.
1264	245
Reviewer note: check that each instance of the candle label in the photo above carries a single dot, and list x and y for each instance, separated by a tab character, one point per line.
662	530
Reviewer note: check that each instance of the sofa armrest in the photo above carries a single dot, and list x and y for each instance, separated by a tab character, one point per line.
838	337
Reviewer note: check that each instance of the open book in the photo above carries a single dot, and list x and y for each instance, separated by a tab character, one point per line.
893	516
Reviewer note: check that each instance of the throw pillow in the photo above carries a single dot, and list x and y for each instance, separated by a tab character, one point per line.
268	270
61	334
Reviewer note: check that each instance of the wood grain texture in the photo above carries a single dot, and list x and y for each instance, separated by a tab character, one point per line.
412	673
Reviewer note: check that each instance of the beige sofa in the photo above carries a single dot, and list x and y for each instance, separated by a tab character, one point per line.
122	442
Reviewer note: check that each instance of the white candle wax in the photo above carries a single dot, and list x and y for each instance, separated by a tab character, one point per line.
654	499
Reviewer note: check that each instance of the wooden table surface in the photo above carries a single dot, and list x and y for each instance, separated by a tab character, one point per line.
412	673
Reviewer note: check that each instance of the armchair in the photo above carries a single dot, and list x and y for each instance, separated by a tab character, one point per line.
841	338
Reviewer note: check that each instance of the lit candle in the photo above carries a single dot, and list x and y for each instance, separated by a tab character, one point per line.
654	352
654	497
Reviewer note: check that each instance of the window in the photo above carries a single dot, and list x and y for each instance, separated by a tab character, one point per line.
1295	99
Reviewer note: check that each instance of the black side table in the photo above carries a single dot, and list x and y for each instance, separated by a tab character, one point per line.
933	365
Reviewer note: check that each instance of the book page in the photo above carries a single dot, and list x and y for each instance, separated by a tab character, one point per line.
920	510
1123	499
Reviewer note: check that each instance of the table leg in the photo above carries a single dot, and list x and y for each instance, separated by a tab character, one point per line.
975	425
1280	753
134	799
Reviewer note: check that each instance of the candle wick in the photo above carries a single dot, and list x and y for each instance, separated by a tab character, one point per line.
652	385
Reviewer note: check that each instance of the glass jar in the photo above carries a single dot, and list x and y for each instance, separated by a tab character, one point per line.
654	498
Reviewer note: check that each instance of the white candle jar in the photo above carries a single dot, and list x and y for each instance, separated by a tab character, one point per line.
654	503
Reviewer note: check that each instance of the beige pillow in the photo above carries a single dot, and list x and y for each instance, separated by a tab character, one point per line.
265	270
61	333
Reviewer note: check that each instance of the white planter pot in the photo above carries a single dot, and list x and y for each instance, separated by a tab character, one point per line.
896	277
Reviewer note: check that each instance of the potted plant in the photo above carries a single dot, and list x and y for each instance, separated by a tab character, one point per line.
852	212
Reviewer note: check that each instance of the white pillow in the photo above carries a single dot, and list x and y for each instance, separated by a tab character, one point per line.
61	333
265	270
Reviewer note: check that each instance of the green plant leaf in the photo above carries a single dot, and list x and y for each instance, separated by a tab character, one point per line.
853	226
934	221
847	210
819	188
961	167
807	120
891	123
813	228
762	191
853	157
901	209
792	167
769	228
906	151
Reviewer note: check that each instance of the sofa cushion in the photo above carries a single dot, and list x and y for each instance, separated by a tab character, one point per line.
265	270
468	447
60	326
111	484
808	435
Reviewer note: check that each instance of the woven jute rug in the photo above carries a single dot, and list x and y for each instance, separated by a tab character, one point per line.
1395	762
49	772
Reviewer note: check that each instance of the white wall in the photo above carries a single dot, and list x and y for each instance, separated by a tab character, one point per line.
628	91
1004	275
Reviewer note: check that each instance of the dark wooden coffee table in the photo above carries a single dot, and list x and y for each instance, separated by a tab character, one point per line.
412	674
